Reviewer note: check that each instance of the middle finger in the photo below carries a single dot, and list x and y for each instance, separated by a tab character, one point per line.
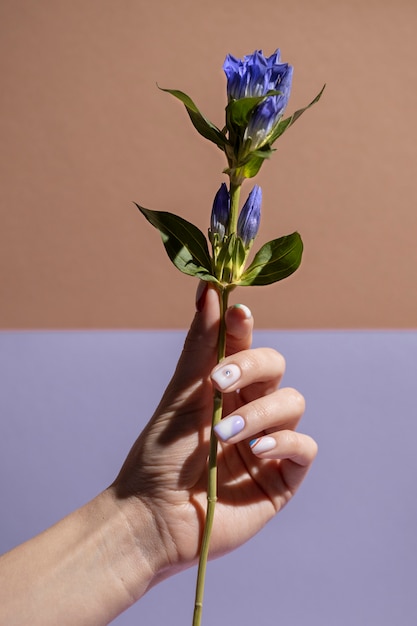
281	410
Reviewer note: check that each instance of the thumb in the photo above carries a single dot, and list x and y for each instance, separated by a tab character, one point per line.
199	355
200	348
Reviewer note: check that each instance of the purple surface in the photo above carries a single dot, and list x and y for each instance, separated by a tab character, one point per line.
344	552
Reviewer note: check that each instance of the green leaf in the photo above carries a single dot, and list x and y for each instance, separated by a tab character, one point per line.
250	165
276	260
239	253
185	243
238	112
283	125
206	128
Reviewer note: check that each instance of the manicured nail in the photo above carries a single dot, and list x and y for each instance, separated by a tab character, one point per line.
200	296
226	376
246	310
229	427
262	444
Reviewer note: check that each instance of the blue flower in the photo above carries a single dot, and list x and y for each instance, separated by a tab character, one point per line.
255	76
220	213
250	217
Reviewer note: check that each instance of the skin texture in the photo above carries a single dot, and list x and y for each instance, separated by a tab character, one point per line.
147	525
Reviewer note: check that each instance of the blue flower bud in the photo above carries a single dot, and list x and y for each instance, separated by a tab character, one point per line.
268	113
220	213
250	217
256	75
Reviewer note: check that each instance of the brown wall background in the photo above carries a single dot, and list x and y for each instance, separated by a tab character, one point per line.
85	131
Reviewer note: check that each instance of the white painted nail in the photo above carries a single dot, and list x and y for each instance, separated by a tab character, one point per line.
262	444
245	309
229	426
226	376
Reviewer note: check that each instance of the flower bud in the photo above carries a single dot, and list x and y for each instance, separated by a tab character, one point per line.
255	76
250	216
269	112
220	213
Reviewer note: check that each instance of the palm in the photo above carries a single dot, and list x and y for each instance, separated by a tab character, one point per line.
173	473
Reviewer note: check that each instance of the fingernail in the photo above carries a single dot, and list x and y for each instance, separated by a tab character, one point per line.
246	310
200	296
229	427
226	376
262	444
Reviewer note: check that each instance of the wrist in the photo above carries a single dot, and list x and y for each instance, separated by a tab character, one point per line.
148	559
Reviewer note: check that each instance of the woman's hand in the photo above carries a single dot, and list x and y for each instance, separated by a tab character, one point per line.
262	459
97	561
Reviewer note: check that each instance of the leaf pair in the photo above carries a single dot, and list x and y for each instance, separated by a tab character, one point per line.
187	248
238	113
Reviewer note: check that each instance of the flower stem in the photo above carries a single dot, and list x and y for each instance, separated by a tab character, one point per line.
234	206
212	469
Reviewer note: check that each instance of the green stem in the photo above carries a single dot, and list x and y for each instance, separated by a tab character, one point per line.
212	469
234	206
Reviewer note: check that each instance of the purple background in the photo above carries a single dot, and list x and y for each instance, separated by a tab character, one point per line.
344	550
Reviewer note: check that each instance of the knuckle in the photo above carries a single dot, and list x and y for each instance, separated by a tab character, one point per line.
265	357
314	448
295	400
278	359
263	412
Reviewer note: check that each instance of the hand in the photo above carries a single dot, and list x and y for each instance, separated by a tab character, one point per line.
262	459
97	561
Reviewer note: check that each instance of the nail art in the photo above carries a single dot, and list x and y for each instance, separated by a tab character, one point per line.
245	309
226	376
229	427
262	444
